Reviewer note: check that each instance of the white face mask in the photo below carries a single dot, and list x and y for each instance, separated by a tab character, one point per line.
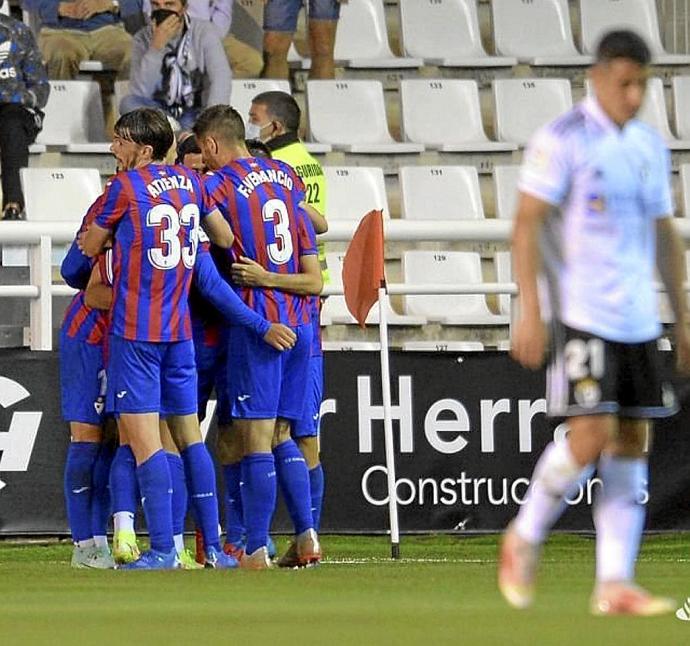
253	130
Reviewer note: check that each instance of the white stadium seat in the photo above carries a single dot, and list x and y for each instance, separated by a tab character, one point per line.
54	195
443	346
505	190
244	90
681	102
361	40
74	118
335	309
351	346
504	274
447	268
445	115
351	116
599	16
440	193
514	24
654	113
685	188
521	106
5	8
353	191
446	33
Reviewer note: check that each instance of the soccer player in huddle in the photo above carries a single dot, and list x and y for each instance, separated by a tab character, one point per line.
596	211
260	199
83	389
152	213
274	118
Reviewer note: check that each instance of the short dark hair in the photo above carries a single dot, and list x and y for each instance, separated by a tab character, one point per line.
623	43
258	148
189	145
281	107
147	127
222	121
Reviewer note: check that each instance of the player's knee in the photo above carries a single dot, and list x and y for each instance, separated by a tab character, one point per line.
632	440
309	446
281	433
229	445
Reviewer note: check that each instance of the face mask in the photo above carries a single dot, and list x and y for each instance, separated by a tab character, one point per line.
159	15
253	130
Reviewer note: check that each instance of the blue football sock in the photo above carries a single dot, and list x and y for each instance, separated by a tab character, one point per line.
155	486
100	500
78	485
316	486
258	497
234	514
124	489
201	484
179	492
293	478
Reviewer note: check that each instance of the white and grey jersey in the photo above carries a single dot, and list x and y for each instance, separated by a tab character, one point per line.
608	186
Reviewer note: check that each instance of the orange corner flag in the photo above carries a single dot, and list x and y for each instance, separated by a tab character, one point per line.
363	266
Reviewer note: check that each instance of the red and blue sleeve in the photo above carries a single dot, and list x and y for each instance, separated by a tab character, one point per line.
306	234
113	206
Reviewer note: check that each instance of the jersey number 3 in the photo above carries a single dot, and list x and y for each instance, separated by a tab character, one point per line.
170	251
275	211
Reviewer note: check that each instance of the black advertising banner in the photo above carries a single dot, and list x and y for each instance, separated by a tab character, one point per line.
468	429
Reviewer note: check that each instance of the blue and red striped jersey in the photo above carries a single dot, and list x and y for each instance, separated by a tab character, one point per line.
82	322
260	200
154	213
207	321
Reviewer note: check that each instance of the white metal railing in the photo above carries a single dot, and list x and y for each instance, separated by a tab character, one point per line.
40	236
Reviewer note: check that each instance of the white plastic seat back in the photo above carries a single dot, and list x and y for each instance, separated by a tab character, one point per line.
54	195
505	190
523	105
514	24
5	8
653	110
353	191
244	90
74	114
347	112
504	274
362	31
681	102
440	193
685	188
442	346
59	194
599	16
441	111
445	267
441	29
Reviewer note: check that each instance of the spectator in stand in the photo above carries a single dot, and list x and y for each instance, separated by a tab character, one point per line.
82	30
280	23
24	90
245	61
176	62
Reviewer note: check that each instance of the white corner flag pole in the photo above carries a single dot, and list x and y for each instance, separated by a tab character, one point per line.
388	423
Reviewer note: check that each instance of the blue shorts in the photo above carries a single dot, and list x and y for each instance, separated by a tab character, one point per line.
145	377
82	381
264	383
281	15
211	367
308	424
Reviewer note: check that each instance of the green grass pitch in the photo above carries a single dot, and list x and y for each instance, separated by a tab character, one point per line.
442	592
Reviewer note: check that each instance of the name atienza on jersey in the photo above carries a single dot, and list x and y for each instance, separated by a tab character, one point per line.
158	186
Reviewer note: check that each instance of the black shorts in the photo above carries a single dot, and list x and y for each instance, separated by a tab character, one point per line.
588	375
